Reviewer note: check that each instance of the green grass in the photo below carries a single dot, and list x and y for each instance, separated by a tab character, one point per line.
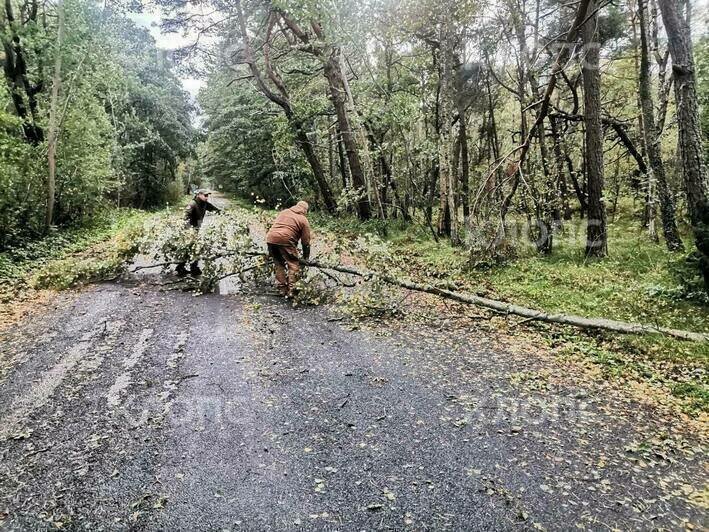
634	283
27	256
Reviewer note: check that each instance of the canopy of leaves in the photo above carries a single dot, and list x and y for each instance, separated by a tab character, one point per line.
124	120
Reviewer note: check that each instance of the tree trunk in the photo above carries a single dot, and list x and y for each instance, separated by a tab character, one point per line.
596	237
448	215
386	172
548	212
464	167
693	171
649	210
338	95
493	139
432	180
560	172
330	155
444	159
343	159
282	100
652	139
302	140
53	133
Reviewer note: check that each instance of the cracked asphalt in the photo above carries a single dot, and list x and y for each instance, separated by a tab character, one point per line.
132	406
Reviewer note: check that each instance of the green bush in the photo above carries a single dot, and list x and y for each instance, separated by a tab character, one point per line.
21	204
100	261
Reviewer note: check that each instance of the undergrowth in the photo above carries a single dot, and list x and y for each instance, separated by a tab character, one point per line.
63	259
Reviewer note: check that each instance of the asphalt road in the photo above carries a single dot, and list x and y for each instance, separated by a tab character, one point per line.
135	406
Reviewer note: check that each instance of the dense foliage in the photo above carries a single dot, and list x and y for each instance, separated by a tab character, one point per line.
239	154
122	119
473	118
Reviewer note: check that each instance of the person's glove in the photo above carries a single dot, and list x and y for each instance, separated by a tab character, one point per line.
306	252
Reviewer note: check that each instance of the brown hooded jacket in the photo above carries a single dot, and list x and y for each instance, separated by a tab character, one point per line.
290	226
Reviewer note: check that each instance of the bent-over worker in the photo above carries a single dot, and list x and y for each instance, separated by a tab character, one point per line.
290	226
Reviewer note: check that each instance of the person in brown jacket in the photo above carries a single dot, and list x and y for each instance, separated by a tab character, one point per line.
290	226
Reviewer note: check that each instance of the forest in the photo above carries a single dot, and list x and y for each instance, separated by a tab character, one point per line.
487	123
92	115
354	264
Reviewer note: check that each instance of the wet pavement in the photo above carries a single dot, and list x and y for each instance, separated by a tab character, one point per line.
134	406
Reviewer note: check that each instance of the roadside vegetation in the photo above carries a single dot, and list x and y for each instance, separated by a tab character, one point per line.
640	282
94	251
109	126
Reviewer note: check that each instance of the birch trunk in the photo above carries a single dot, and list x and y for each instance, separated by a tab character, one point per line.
53	133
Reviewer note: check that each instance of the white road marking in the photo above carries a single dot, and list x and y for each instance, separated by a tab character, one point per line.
41	391
179	350
92	362
124	380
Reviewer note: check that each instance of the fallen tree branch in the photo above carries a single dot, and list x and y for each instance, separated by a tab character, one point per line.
509	308
337	279
149	266
621	327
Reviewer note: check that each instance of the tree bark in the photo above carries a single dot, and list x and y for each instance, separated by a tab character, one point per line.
333	74
693	171
464	166
652	139
53	132
447	216
343	160
596	237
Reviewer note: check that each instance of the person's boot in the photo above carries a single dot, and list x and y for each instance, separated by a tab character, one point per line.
181	270
195	271
291	293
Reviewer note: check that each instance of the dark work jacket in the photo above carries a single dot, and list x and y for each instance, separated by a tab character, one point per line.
195	211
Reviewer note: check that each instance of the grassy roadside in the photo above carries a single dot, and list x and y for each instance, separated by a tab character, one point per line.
94	251
640	281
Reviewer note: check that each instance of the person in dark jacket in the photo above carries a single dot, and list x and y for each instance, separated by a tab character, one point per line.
194	216
290	226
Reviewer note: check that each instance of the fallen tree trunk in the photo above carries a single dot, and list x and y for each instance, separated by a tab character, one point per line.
509	308
602	324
